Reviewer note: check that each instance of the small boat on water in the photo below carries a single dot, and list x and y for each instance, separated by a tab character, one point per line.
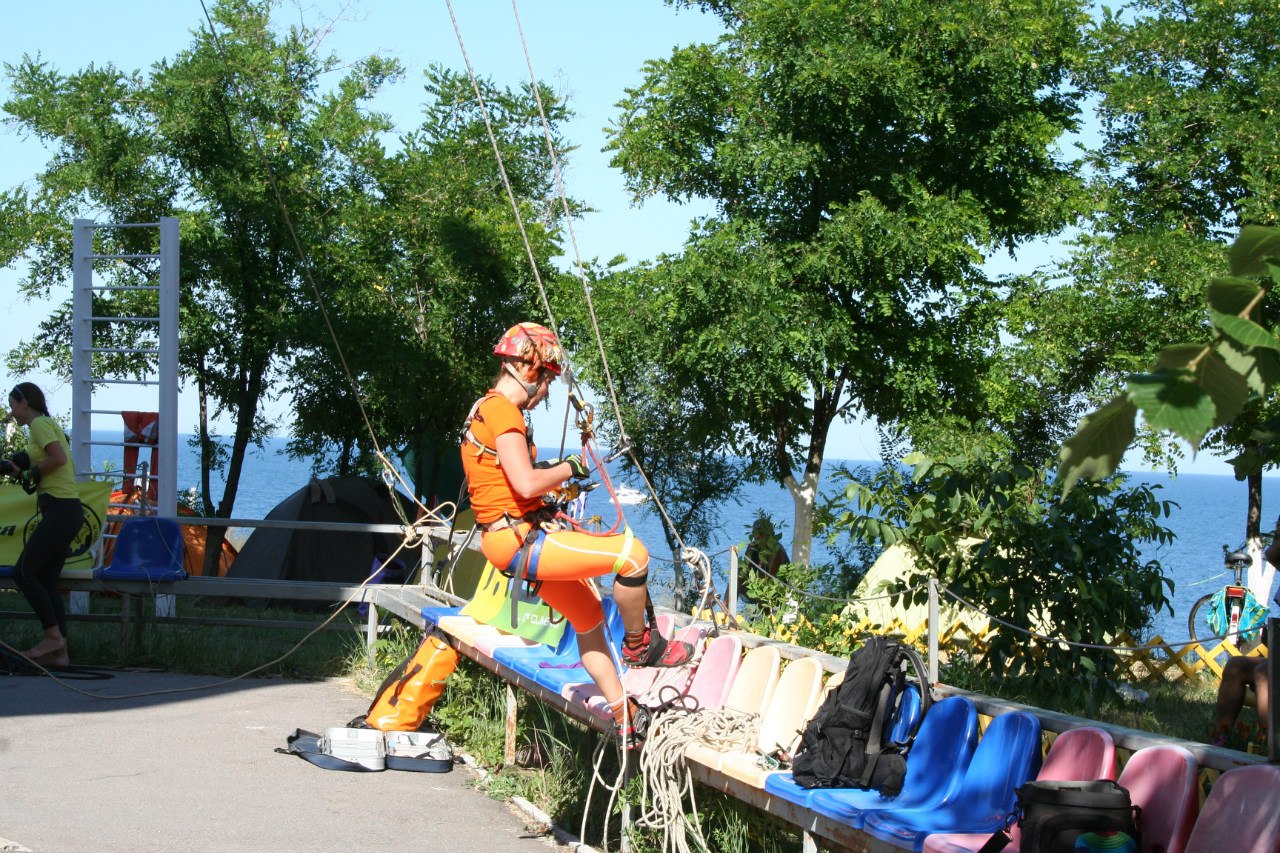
628	496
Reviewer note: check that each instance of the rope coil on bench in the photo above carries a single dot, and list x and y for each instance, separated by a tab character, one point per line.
664	772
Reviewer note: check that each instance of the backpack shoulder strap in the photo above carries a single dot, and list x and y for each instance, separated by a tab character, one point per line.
997	842
891	683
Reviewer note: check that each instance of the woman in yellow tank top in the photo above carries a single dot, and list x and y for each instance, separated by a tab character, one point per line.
45	469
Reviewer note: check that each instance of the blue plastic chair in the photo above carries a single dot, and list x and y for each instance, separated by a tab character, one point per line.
1007	756
565	668
432	615
936	764
147	549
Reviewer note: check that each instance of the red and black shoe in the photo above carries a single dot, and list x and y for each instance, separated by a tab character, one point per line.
657	651
634	732
631	737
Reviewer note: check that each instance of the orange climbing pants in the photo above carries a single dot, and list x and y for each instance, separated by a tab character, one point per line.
567	559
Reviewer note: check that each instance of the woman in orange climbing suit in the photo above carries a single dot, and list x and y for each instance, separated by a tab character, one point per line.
507	486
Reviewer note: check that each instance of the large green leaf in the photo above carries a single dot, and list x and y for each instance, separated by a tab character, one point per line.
1096	449
1259	367
1228	389
1173	400
1231	294
1178	356
1245	331
1255	244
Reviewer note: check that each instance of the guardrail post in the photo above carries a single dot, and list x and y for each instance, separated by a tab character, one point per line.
732	592
933	630
509	744
371	630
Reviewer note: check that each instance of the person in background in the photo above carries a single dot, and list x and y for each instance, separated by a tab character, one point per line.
764	554
1243	672
46	470
1240	673
520	536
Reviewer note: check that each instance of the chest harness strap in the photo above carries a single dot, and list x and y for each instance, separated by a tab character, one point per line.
469	435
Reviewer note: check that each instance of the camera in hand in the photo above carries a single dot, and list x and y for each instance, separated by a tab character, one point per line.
12	466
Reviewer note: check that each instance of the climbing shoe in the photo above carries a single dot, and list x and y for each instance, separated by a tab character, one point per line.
656	650
634	732
631	738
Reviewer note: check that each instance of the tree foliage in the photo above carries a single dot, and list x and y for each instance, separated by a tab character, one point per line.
1187	94
1195	388
862	156
999	537
427	269
226	136
312	259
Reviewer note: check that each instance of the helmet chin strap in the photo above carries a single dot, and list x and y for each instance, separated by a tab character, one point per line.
528	389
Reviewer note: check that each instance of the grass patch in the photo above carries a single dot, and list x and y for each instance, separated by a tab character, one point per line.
218	650
1181	709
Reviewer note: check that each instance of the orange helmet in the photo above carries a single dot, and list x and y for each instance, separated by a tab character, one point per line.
532	343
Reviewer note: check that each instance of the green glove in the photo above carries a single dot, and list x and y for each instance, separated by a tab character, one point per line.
577	467
29	479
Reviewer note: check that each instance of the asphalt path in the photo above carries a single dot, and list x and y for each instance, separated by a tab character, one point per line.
197	771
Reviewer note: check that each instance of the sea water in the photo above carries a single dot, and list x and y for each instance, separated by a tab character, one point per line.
1209	512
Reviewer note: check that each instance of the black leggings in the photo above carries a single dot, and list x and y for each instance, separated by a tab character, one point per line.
40	564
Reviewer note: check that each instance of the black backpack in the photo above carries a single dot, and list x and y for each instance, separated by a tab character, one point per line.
844	744
1052	816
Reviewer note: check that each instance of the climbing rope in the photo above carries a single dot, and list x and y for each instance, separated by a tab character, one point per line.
666	781
625	443
1062	640
304	260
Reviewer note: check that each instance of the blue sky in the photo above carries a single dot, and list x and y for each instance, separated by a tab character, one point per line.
590	50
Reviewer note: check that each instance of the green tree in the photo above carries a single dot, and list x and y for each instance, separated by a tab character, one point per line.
226	136
663	429
426	270
1192	389
1187	95
998	537
863	155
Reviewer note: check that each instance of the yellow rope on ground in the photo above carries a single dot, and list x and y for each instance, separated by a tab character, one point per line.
664	772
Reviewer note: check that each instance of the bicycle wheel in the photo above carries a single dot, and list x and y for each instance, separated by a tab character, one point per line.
1198	622
1207	625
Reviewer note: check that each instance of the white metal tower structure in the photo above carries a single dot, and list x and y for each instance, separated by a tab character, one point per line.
164	378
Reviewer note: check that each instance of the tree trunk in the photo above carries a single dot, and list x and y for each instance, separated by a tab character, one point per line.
213	554
206	453
803	494
250	395
1253	520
